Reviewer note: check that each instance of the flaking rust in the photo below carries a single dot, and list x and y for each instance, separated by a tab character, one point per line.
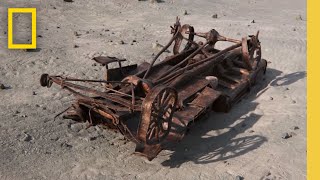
152	104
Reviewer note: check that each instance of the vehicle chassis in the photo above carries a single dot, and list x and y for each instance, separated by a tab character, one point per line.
153	104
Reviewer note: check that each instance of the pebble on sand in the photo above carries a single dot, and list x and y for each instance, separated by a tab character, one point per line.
2	86
295	128
27	137
286	136
66	145
215	16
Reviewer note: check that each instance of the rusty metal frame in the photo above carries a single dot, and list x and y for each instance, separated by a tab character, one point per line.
169	95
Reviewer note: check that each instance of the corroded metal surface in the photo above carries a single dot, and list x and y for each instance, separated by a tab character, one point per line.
153	104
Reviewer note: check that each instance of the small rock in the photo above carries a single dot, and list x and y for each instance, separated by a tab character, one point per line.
93	138
134	40
185	12
27	137
271	98
39	36
94	64
58	27
251	131
253	21
5	32
54	7
76	46
34	93
294	102
66	145
268	173
44	108
76	33
286	136
2	86
294	29
122	42
295	128
24	116
106	30
239	178
68	0
215	16
287	89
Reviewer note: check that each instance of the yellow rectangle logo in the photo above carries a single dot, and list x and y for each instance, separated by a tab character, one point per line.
33	12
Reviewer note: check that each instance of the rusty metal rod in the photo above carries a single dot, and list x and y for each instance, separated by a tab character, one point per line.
90	80
204	35
87	99
213	57
162	50
183	61
93	91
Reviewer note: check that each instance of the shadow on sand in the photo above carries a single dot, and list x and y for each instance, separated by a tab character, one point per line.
215	138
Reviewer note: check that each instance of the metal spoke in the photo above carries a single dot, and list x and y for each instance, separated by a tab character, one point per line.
164	96
151	133
167	100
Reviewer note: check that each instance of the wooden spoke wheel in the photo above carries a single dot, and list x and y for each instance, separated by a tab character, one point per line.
156	116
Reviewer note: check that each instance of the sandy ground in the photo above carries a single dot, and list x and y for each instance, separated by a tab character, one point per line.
246	142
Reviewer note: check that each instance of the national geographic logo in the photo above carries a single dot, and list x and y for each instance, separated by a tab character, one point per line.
33	12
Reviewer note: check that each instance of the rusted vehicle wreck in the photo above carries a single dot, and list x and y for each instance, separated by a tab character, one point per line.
152	104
